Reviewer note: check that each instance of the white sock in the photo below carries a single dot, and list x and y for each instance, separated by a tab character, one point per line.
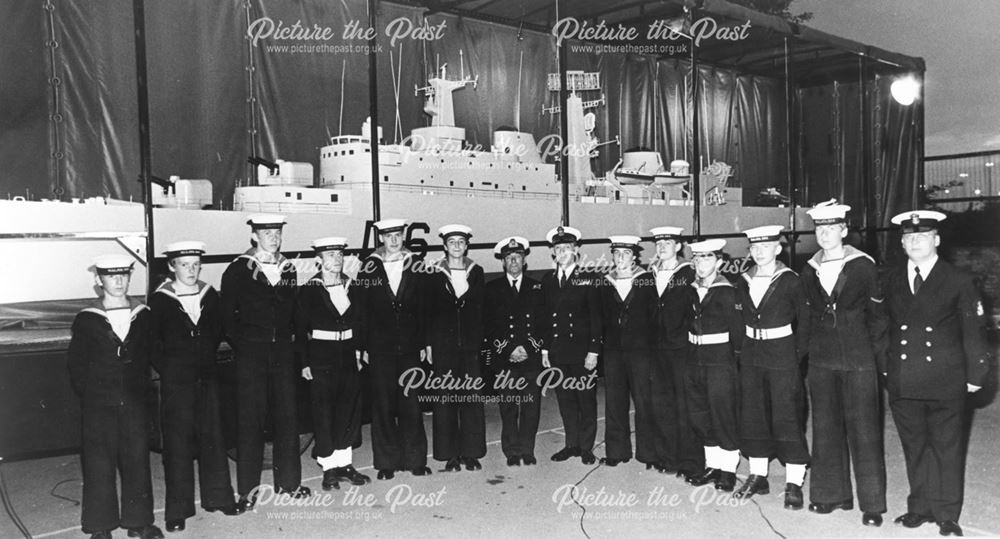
711	456
758	466
728	460
795	474
338	459
327	462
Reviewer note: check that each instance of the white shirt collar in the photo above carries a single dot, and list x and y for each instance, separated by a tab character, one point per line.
567	271
925	269
511	280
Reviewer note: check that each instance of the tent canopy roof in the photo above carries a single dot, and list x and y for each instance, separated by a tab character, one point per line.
816	57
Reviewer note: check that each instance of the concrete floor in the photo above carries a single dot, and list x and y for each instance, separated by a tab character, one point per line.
528	501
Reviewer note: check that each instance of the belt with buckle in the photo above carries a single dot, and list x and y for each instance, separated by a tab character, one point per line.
767	334
708	338
324	335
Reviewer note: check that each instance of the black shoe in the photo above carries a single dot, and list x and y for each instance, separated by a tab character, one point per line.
296	493
146	532
913	520
950	527
421	470
871	519
245	504
103	534
708	475
824	508
793	496
514	461
330	480
454	464
228	510
352	476
565	453
175	525
755	484
529	460
608	461
587	457
663	468
726	481
386	474
472	464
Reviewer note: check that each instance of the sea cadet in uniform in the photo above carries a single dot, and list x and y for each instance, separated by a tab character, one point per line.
186	331
258	303
846	346
394	341
572	342
776	316
108	362
677	447
455	289
712	379
937	354
628	302
512	313
327	326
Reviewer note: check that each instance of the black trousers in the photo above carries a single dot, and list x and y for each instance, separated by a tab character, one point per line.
772	416
627	374
265	387
335	395
114	440
578	408
847	429
459	427
399	441
713	404
520	411
674	441
192	428
931	434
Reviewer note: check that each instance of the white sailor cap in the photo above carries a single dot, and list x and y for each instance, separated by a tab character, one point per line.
563	234
454	230
666	232
829	212
511	244
705	247
625	242
918	220
764	233
184	248
390	225
329	243
113	264
266	220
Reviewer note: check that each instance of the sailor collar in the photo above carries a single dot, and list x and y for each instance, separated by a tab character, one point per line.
167	289
779	268
850	253
97	307
719	281
441	264
655	265
613	275
249	255
380	254
318	279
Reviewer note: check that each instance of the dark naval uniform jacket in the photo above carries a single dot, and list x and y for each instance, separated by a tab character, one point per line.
252	309
184	352
937	341
846	328
513	320
719	312
315	311
630	323
455	323
572	316
784	303
103	369
393	323
673	311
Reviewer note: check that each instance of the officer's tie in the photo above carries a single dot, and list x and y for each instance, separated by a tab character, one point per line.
562	279
917	280
513	286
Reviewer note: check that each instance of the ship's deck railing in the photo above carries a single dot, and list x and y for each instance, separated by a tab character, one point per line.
502	194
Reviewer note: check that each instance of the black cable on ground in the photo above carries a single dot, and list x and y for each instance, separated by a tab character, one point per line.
761	511
573	494
8	506
61	497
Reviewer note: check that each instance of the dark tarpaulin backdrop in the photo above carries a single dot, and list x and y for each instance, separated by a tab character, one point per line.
70	123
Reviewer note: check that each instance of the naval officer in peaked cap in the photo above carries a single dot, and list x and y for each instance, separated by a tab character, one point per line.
108	361
393	341
186	330
258	301
573	341
847	343
513	327
937	355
